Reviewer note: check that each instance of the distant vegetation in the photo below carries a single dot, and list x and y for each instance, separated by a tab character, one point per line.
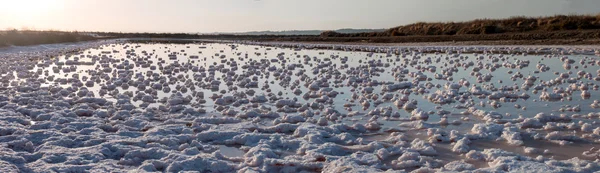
147	35
580	28
485	26
234	34
299	32
30	37
196	36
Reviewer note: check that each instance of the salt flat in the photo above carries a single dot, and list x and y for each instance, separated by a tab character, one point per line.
292	107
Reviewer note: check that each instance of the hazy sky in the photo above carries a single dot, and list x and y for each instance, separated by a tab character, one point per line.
258	15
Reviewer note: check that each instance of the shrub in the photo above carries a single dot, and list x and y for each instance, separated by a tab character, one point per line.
515	24
29	37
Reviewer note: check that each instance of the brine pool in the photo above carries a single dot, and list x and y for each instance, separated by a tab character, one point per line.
226	107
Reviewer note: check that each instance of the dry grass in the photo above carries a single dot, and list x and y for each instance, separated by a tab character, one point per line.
32	37
518	24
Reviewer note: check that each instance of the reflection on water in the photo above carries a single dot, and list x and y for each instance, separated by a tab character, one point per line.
209	55
230	151
191	64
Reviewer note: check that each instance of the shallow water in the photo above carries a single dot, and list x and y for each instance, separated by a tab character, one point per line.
334	85
210	55
230	151
159	53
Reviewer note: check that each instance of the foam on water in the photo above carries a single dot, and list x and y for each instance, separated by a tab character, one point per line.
284	107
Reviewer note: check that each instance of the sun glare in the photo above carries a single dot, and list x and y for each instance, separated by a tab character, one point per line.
29	14
29	7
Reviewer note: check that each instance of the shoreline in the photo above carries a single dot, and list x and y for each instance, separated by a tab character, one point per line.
499	43
504	47
573	37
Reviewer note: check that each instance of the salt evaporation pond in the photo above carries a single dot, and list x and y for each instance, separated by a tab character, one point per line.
227	107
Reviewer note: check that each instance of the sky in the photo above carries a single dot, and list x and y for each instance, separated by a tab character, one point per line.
206	16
